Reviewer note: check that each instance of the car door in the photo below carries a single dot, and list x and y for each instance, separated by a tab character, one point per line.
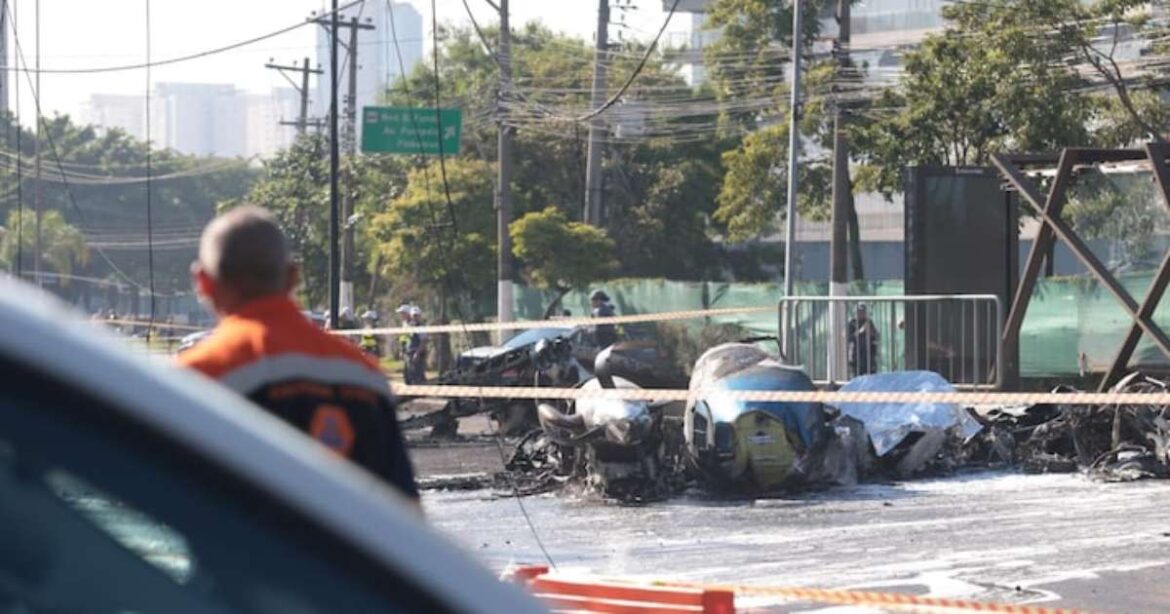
99	513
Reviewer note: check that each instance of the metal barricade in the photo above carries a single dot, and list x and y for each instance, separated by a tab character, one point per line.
957	336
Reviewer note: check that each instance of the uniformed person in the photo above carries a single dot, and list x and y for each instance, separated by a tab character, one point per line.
604	335
265	349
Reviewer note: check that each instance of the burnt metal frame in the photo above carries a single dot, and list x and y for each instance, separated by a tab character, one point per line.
1053	226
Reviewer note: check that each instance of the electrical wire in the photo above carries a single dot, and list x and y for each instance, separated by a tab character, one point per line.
182	58
57	158
439	118
435	228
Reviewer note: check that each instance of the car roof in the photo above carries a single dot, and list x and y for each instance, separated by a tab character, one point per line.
39	331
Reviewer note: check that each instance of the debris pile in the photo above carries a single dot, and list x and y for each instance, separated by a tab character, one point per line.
1110	443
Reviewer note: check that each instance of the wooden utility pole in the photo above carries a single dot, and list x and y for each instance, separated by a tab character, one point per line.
302	122
842	194
593	174
504	181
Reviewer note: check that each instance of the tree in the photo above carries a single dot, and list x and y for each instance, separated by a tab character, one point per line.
100	188
987	84
659	193
560	255
62	245
748	61
755	187
294	186
443	247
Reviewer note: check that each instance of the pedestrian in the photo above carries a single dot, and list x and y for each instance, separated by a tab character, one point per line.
370	343
265	349
862	336
604	335
416	349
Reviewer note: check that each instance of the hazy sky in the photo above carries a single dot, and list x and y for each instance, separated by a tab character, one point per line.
86	33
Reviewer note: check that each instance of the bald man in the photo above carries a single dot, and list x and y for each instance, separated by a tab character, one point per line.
265	349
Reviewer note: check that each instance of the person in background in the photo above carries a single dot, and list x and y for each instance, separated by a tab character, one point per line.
604	335
862	337
416	349
266	350
369	341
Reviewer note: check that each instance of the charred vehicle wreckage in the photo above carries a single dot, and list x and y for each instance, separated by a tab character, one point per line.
645	450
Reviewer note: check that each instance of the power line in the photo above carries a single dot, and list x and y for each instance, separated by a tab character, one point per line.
57	158
182	58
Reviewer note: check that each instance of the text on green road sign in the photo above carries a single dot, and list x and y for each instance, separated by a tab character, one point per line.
405	130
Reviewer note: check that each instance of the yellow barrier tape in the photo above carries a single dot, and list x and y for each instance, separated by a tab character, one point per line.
786	396
558	322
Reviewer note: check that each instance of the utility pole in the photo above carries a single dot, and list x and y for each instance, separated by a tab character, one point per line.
592	214
347	246
349	142
4	57
334	168
838	249
302	122
793	151
40	191
504	181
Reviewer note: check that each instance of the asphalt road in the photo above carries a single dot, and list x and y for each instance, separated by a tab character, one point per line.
1053	540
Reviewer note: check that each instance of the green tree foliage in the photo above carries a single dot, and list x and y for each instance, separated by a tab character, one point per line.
560	255
987	84
103	194
294	186
62	245
439	248
659	194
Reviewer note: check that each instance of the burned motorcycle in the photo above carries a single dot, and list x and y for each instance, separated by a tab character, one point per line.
622	449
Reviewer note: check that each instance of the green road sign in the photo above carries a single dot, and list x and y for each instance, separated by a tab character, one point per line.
404	130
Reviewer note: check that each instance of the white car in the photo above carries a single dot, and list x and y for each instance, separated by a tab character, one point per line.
128	486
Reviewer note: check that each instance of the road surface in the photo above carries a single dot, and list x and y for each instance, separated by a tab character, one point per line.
1053	540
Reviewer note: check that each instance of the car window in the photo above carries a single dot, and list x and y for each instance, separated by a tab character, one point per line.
99	514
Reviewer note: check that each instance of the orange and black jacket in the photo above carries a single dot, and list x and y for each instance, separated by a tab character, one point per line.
269	352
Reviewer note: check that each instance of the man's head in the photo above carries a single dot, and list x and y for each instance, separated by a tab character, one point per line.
415	314
243	256
598	298
862	312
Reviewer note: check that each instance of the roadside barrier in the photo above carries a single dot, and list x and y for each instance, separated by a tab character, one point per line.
588	595
615	595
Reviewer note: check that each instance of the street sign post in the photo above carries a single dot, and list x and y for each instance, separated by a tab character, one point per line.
405	130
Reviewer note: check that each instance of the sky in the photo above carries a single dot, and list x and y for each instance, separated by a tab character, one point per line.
88	33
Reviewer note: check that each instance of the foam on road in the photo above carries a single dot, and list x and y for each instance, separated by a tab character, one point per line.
993	536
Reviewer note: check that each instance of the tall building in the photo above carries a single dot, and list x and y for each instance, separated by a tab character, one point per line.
380	61
203	119
266	135
117	111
